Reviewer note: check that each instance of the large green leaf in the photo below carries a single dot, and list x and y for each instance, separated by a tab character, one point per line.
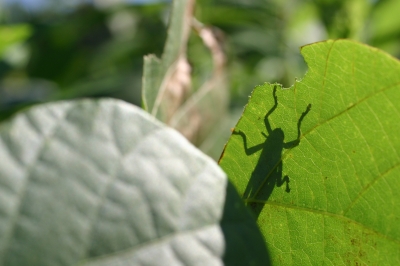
330	193
103	183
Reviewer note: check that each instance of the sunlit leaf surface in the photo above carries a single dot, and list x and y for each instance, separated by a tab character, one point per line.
319	163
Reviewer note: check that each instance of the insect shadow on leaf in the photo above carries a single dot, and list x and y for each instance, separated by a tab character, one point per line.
268	171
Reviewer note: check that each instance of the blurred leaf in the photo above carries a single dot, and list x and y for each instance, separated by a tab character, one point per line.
80	53
385	26
319	163
386	21
214	145
91	88
205	109
13	34
157	71
103	183
167	90
343	18
62	50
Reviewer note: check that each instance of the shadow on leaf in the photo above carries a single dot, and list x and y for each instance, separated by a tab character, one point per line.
268	171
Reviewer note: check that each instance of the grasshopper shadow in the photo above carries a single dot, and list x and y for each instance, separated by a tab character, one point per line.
268	171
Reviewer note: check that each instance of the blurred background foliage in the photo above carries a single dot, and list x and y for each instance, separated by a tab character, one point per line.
54	50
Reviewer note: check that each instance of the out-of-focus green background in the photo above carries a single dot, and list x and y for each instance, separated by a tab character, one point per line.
54	49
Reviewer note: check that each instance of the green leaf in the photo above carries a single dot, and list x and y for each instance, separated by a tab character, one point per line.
328	194
103	183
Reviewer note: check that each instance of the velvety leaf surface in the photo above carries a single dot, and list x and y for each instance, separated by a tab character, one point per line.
319	162
103	183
